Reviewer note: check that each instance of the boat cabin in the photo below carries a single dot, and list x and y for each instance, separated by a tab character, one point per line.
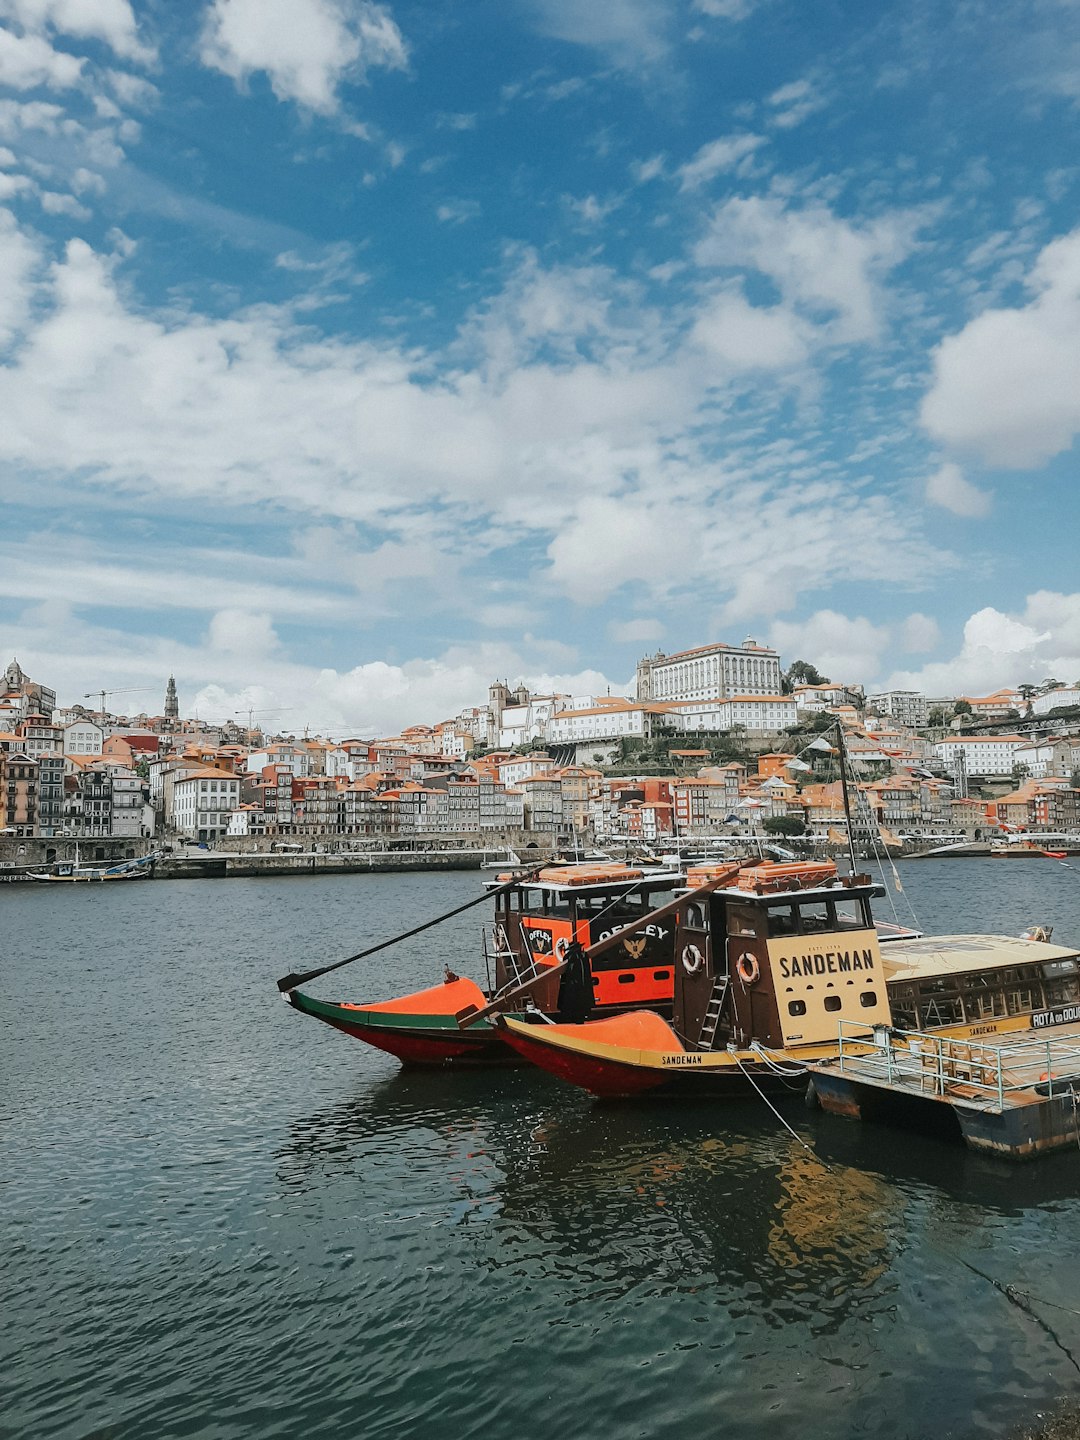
984	983
779	956
536	921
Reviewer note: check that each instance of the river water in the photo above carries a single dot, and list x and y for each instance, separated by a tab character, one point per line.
222	1219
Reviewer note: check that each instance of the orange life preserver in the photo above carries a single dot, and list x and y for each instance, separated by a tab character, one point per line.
692	959
747	968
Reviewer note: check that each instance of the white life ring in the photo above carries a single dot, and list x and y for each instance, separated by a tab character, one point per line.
692	959
747	968
561	947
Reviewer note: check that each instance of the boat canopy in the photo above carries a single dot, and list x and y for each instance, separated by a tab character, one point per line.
932	957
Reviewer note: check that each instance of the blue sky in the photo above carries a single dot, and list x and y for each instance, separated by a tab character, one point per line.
354	355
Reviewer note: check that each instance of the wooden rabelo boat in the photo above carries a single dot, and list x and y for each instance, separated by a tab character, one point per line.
766	966
774	968
538	917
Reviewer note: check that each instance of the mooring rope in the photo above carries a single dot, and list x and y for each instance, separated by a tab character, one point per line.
793	1133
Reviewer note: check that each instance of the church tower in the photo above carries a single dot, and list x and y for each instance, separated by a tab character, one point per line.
172	704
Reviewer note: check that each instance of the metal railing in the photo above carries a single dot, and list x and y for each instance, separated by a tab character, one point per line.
937	1065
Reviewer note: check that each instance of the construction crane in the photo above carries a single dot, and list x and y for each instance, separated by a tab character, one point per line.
251	712
101	694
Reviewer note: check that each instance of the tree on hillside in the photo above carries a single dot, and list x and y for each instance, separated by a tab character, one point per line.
962	707
1049	684
784	825
801	672
1026	691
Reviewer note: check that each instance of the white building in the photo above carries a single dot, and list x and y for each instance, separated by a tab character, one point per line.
818	698
1055	699
909	707
83	737
710	672
522	767
202	802
982	755
762	714
606	721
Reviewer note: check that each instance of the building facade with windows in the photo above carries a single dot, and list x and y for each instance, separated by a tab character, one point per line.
710	672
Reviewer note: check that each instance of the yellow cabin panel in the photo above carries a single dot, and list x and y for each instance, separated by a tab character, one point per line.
819	980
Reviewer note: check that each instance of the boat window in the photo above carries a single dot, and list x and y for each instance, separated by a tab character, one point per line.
941	1011
783	922
661	975
814	916
1062	992
1055	969
987	1006
742	920
868	998
850	916
833	1002
796	1007
627	979
695	916
1021	1000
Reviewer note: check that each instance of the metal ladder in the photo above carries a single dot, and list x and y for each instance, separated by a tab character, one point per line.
504	951
711	1020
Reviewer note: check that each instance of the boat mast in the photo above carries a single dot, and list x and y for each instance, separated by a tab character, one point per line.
844	792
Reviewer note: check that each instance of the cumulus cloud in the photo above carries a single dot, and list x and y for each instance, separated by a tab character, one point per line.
999	648
950	489
842	648
110	21
242	632
570	417
29	61
740	336
1006	388
829	266
307	48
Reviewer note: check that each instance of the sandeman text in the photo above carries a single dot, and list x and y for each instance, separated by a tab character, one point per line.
828	962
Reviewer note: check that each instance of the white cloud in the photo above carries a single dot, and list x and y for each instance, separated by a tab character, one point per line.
611	543
29	61
636	632
457	212
1007	387
743	337
919	633
568	414
1001	649
717	156
55	204
726	9
307	48
18	262
242	632
111	21
794	103
949	488
827	265
846	650
630	33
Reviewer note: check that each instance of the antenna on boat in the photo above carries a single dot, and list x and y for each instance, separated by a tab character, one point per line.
844	793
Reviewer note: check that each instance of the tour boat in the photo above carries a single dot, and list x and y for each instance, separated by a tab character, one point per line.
773	969
766	965
537	918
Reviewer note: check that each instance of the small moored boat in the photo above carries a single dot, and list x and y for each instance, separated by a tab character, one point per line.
538	918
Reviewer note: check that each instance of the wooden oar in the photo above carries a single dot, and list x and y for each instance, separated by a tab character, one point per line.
473	1017
290	982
